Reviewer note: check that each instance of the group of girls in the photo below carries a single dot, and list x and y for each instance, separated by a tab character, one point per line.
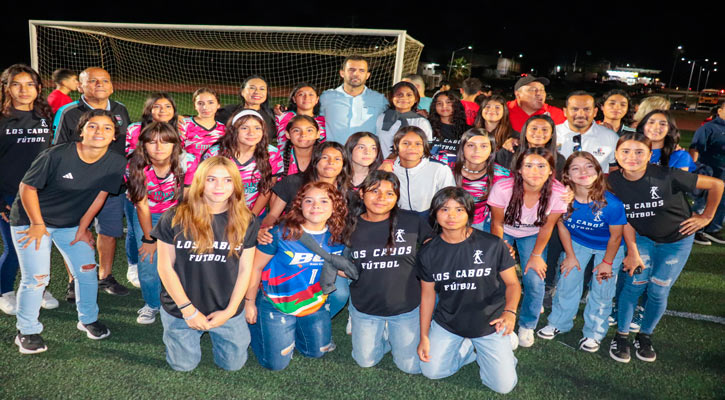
245	250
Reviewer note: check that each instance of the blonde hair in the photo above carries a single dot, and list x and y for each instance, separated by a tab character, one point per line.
194	216
649	104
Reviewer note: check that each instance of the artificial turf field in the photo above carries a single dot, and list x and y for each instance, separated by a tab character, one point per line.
131	363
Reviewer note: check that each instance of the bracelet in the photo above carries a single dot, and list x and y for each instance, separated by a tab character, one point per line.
196	312
181	307
606	262
512	312
147	241
535	255
248	299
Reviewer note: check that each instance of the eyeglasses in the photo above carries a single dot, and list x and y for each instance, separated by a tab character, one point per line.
577	142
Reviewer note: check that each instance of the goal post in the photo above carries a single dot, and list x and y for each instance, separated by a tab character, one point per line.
143	58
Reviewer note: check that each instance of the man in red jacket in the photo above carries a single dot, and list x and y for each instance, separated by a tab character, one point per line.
530	100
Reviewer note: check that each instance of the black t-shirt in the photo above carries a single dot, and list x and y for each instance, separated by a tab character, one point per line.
208	279
470	291
22	136
67	186
287	188
388	284
655	204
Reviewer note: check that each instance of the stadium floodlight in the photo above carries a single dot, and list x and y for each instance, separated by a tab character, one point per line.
181	58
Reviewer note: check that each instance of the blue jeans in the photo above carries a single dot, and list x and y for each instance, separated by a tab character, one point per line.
369	342
599	302
132	245
183	352
663	263
35	273
276	334
449	352
717	222
336	300
9	259
148	274
534	286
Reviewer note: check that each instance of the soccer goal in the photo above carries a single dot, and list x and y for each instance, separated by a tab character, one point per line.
143	58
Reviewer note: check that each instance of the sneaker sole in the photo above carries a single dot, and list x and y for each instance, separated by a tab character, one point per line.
109	291
26	351
713	238
145	321
645	359
701	243
634	328
49	306
622	360
88	333
9	313
589	349
546	337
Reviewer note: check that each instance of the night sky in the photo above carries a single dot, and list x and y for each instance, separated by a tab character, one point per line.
643	35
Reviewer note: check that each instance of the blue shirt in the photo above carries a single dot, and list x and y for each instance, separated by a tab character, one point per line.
424	103
591	229
709	141
345	114
678	159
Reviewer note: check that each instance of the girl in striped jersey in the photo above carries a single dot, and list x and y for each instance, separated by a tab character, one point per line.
475	171
201	131
304	100
258	162
155	182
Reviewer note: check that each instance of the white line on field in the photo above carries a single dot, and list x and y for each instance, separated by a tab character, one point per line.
697	317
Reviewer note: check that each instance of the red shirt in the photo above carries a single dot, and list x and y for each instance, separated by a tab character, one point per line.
471	111
518	117
57	99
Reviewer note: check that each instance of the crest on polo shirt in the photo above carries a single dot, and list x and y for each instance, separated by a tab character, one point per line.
599	151
119	120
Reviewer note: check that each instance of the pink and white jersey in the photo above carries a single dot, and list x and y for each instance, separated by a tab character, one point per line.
159	191
132	133
249	172
196	138
282	121
500	196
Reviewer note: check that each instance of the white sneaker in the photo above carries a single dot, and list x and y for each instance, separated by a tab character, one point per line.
8	303
49	302
514	341
132	275
589	344
526	337
348	328
548	332
147	315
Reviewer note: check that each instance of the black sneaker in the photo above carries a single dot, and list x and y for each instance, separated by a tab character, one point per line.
701	239
717	237
110	286
30	344
95	331
645	351
619	349
70	292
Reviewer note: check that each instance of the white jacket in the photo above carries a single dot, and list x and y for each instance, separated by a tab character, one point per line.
419	184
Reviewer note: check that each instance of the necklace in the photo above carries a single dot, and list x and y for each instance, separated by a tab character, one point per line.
471	171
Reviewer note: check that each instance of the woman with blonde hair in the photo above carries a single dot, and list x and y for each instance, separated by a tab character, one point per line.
205	252
648	105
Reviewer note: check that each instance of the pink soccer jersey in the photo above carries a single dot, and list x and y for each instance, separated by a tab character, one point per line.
249	172
132	133
159	192
283	120
196	138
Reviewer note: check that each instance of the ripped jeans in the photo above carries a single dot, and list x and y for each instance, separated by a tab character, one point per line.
276	335
35	274
663	262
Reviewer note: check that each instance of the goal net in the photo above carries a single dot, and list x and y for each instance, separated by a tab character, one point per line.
144	58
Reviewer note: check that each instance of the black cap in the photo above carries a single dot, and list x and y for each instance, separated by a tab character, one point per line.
529	79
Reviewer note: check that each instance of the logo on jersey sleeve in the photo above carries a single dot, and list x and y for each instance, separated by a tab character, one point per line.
653	192
477	257
399	235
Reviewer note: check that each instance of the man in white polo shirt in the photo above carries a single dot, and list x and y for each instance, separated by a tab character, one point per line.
580	133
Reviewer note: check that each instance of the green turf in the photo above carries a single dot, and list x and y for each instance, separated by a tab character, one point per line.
131	363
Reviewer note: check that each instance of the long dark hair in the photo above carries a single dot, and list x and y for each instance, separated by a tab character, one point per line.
40	105
599	187
264	107
352	142
461	161
400	85
457	194
372	182
288	147
503	129
164	132
458	118
671	139
524	143
146	117
513	211
292	105
229	145
342	182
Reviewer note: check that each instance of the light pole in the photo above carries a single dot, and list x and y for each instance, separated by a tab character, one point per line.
689	81
678	51
450	64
